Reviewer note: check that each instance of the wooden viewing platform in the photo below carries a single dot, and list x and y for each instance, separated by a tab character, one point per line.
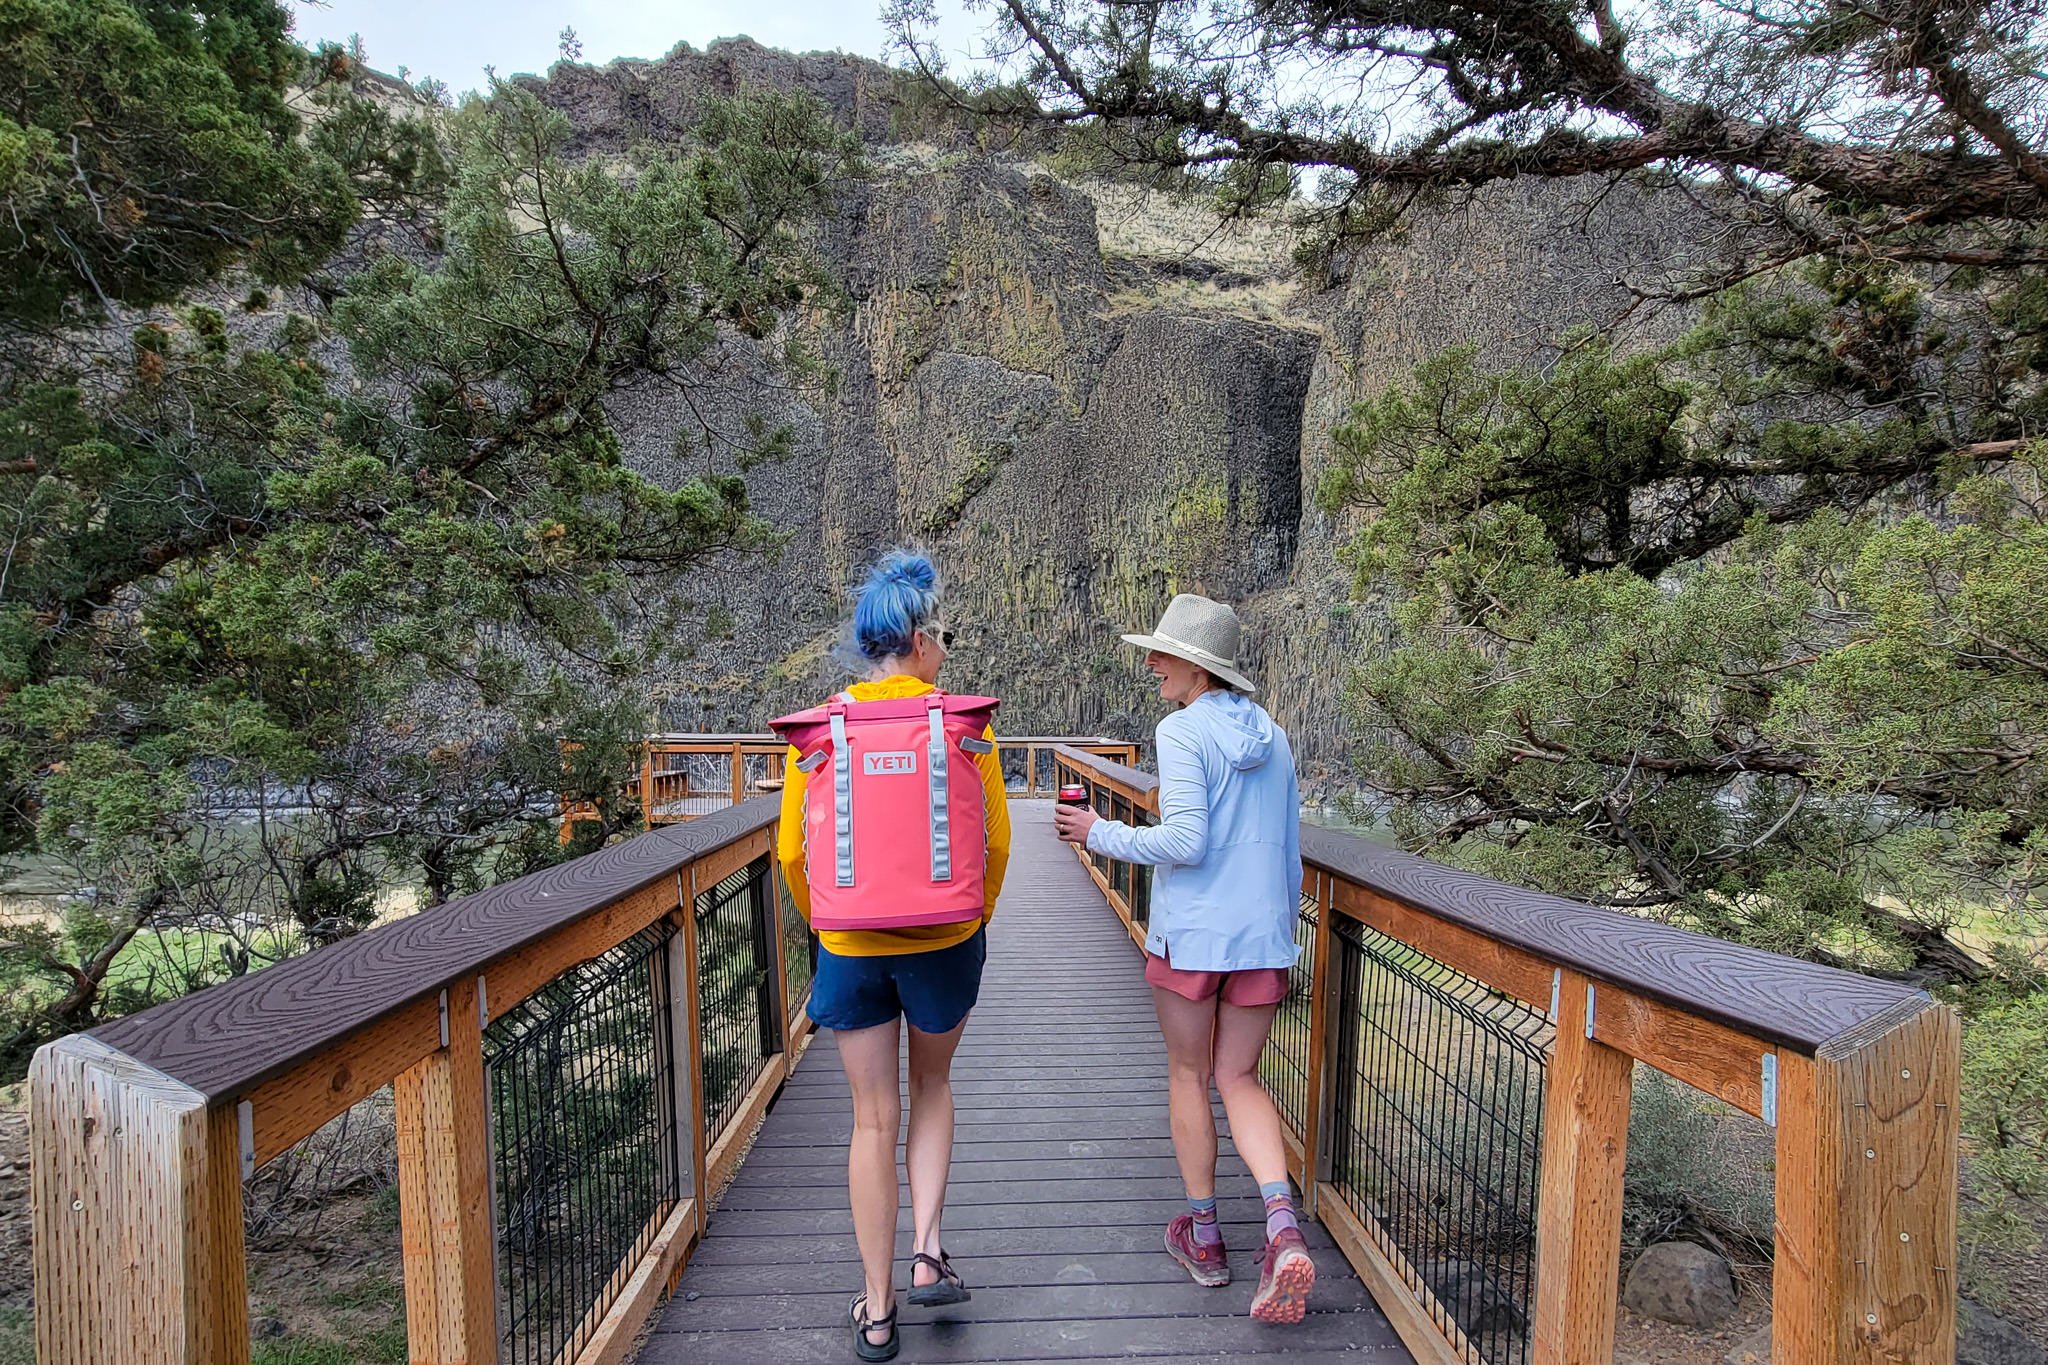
1063	1181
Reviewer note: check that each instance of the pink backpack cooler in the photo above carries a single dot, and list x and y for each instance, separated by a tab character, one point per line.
893	825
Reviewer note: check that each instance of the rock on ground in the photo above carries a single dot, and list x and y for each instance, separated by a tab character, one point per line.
1473	1298
1984	1338
1683	1283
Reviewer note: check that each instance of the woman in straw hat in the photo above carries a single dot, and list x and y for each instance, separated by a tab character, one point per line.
1224	900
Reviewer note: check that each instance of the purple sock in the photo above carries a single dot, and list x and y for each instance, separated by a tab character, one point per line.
1279	1209
1207	1233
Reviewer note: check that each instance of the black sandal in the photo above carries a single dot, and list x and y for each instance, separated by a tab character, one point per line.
862	1323
946	1289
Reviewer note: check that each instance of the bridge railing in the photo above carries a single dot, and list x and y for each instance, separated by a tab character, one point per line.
577	1058
684	777
1453	1066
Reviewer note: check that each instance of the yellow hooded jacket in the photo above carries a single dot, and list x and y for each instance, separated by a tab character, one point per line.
916	938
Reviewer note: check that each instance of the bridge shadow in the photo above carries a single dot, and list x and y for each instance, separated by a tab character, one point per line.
1063	1181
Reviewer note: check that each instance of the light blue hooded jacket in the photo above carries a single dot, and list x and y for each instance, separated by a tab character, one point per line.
1228	841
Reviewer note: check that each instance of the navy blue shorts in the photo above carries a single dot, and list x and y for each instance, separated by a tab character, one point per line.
934	990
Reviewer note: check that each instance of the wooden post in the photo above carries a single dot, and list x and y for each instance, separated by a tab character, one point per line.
739	775
137	1208
690	1057
1585	1145
444	1195
1866	1226
1314	1121
683	1045
647	787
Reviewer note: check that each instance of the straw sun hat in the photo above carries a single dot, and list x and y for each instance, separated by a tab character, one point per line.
1202	632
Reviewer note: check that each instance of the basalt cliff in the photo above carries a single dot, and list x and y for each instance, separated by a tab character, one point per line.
1081	398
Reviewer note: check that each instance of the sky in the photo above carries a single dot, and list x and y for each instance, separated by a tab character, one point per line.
456	39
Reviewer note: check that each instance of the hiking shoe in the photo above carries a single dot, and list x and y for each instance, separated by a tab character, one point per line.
1285	1278
1207	1265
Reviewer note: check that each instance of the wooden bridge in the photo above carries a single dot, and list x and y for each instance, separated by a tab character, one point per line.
1063	1181
582	1062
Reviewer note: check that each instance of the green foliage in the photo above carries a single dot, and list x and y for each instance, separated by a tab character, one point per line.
1743	634
2005	1119
383	1346
1697	1170
17	1337
145	147
970	483
388	628
1659	644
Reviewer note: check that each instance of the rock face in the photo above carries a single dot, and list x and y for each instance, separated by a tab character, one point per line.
1682	1283
1077	416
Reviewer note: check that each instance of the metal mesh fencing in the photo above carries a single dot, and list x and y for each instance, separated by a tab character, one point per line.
1437	1104
737	1007
584	1138
1284	1067
1028	767
799	950
1100	799
1141	877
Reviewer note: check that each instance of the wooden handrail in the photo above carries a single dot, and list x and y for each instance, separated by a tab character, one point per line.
720	743
1778	999
1860	1077
665	797
228	1039
143	1130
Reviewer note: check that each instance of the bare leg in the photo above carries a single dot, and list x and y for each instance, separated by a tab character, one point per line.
928	1152
1189	1027
869	1056
1254	1123
1288	1273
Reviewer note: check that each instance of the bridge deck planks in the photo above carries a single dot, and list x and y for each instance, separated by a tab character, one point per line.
1063	1181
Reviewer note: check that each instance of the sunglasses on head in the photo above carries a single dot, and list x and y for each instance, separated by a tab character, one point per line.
944	637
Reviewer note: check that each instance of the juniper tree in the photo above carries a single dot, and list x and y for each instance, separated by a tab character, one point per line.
1746	631
370	570
1862	384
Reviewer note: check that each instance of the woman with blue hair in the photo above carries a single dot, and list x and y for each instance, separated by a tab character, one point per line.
869	981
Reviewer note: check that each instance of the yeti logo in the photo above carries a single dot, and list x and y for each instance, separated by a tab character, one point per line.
903	762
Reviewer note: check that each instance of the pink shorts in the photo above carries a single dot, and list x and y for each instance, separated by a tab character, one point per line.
1246	990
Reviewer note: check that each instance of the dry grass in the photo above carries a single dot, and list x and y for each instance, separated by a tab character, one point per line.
323	1280
1263	301
1168	251
1134	221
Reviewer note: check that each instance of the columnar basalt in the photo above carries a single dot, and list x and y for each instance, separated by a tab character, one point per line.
1079	416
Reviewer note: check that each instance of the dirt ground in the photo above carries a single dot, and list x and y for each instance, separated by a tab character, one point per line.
1646	1341
17	1342
322	1295
15	1272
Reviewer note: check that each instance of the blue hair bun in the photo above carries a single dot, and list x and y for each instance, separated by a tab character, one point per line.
901	593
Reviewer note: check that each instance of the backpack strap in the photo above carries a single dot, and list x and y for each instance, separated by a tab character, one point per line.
935	790
842	795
